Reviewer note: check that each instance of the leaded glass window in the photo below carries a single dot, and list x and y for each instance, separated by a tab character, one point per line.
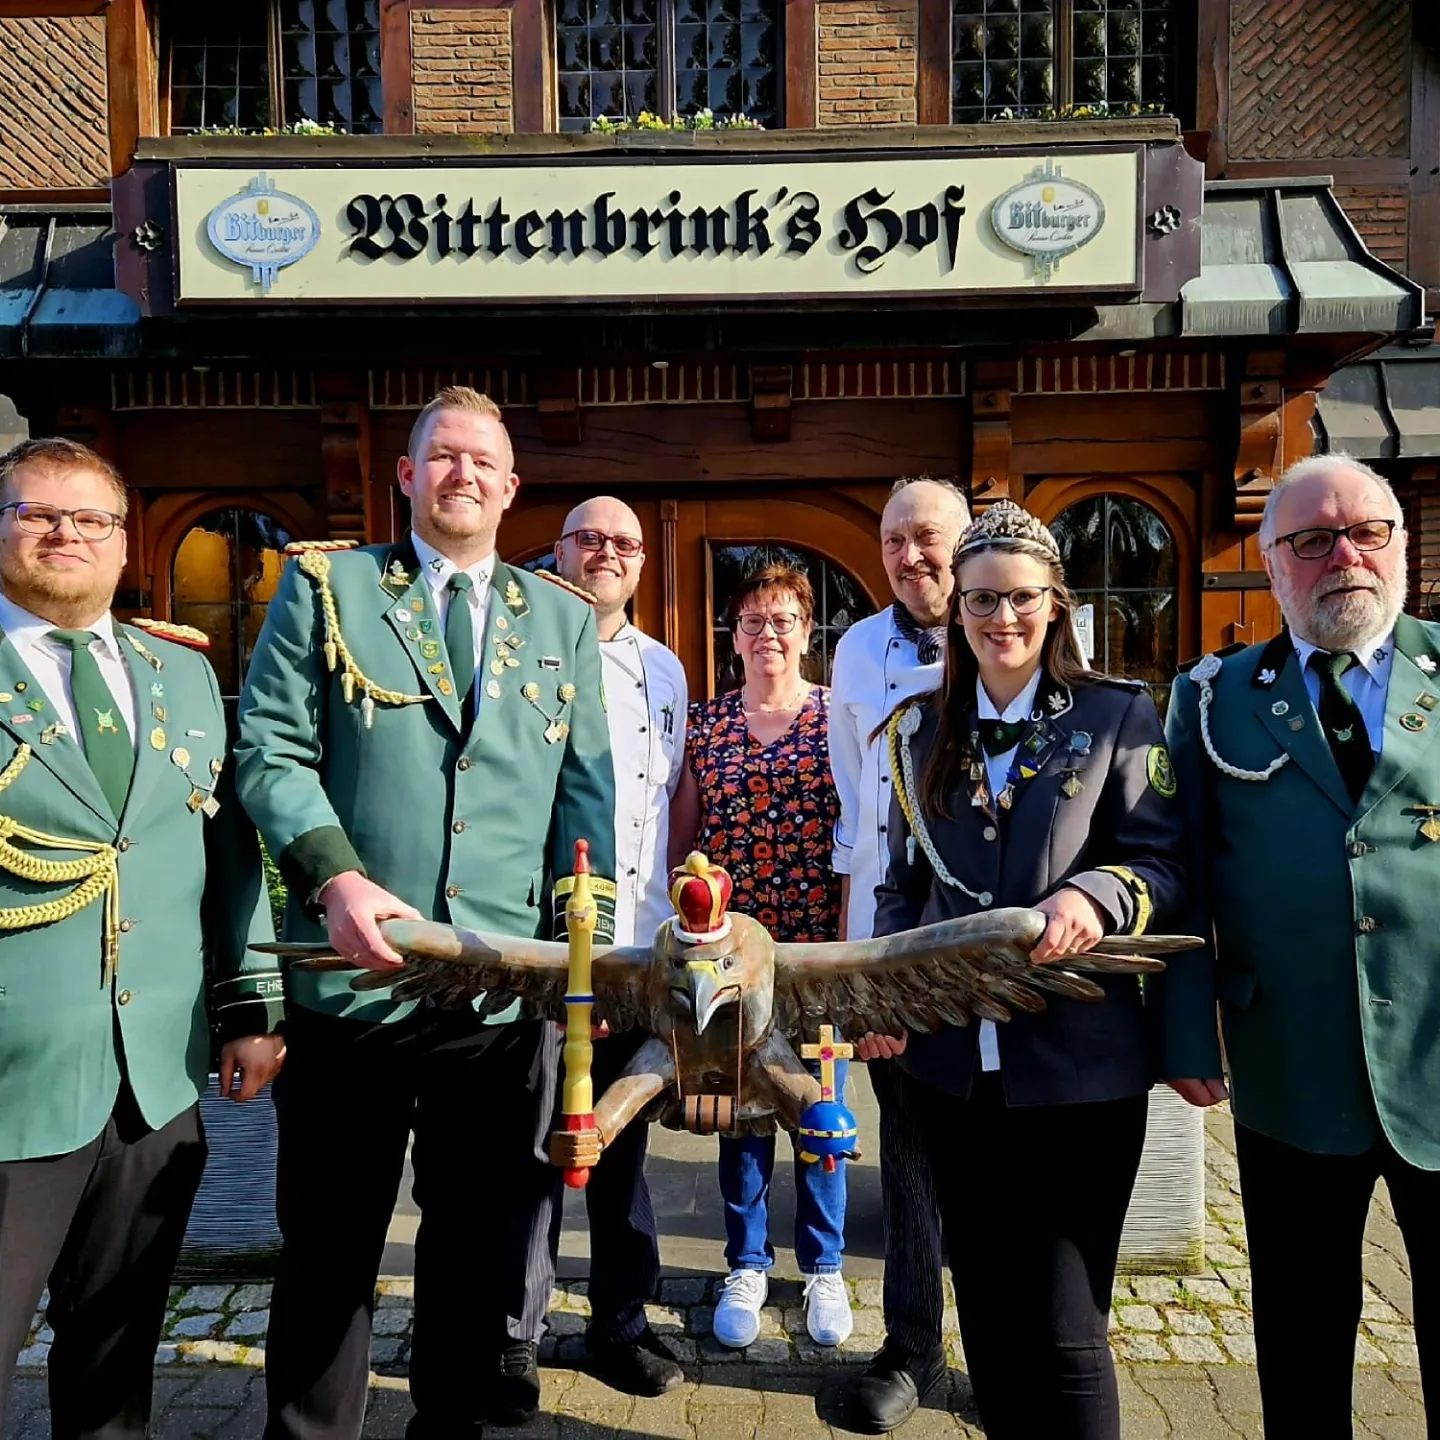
272	64
1025	57
617	58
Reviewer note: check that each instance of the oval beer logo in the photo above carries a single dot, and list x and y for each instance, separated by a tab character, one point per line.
263	229
1047	217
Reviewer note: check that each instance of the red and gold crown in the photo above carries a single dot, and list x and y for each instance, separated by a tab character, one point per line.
700	892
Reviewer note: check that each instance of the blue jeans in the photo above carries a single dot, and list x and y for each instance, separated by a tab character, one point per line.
746	1165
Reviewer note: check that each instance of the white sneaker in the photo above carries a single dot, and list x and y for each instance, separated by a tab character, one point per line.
827	1308
737	1313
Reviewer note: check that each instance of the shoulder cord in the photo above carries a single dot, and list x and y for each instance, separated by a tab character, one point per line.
316	564
1203	673
903	724
98	874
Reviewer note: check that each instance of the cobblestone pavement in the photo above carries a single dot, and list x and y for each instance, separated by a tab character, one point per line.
1184	1345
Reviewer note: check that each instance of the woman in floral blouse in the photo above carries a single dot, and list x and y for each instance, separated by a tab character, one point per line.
757	797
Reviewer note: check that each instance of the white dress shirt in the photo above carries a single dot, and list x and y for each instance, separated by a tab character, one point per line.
875	669
50	662
645	696
1367	682
997	767
437	570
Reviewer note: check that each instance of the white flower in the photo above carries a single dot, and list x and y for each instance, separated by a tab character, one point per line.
1267	677
1425	663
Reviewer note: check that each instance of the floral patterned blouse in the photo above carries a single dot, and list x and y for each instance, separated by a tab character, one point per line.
768	812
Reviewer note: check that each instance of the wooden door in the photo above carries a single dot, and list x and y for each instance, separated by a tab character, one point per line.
697	545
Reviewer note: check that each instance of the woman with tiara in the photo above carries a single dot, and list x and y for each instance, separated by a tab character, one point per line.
1030	780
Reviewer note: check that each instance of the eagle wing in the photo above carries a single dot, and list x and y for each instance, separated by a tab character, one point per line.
454	967
947	973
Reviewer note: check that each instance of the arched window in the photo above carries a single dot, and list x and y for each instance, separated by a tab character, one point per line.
225	573
839	602
1120	557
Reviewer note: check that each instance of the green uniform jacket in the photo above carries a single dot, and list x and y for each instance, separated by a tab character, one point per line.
190	897
1325	913
472	828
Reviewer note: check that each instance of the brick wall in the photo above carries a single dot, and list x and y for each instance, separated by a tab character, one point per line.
1319	79
463	81
867	62
1381	215
52	103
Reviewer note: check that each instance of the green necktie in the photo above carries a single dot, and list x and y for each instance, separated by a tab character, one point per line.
103	733
999	736
460	635
1342	722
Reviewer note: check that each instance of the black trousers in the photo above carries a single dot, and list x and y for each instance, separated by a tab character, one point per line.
103	1226
913	1298
478	1100
1032	1202
624	1243
1305	1222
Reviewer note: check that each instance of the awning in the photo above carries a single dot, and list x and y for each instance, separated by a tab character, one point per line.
1386	406
1278	257
57	285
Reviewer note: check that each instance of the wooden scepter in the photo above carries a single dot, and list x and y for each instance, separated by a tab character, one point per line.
578	1096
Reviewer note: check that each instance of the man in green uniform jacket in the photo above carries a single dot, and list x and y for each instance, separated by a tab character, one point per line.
128	880
422	734
1312	772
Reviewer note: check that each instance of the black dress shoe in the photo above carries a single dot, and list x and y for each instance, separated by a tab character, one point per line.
644	1366
891	1390
515	1399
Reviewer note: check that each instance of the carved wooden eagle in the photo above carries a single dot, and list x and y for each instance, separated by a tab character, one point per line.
726	1006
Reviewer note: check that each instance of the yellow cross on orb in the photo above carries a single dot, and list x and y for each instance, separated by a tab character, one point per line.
827	1052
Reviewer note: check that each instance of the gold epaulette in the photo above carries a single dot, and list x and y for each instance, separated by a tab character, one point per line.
564	584
299	547
181	634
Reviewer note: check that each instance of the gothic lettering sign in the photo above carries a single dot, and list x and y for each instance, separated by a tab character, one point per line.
912	225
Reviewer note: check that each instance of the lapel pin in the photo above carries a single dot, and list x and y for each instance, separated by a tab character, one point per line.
1297	723
158	690
1430	829
22	719
5	697
1267	677
437	564
37	706
1427	701
157	739
404	616
1073	785
436	669
158	711
493	689
501	623
1411	721
195	734
1280	707
180	757
497	667
444	687
430	649
549	662
418	604
398	573
21	686
413	633
1080	742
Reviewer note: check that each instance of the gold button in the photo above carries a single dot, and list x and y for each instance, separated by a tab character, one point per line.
127	924
989	832
459	827
464	763
452	891
124	997
1368	925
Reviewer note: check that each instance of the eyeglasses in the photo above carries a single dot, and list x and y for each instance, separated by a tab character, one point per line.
753	625
1024	601
36	519
1319	541
627	547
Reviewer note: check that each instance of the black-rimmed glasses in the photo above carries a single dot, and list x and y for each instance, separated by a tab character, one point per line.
627	547
1025	600
37	519
754	625
1318	541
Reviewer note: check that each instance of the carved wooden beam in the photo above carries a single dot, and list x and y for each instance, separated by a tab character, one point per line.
990	434
770	387
344	455
1259	453
558	401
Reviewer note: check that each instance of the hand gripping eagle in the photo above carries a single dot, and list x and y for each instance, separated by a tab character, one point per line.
726	1005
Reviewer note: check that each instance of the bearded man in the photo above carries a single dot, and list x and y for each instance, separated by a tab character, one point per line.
131	889
1311	774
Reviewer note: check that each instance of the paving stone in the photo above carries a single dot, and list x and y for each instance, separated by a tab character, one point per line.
394	1321
1237	1394
1224	1256
184	1424
1185	1395
870	1292
702	1320
769	1351
1140	1317
1196	1349
36	1354
1236	1277
1121	1290
394	1302
666	1319
684	1289
867	1322
1187	1322
1237	1322
204	1297
1378	1308
45	1335
387	1413
196	1327
251	1297
1241	1348
1139	1347
1368	1354
1140	1417
712	1352
250	1325
562	1324
1404	1334
399	1285
664	1417
1207	1292
219	1388
1157	1289
167	1353
1405	1353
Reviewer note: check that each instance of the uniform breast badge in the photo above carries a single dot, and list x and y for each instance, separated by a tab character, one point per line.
557	728
1430	826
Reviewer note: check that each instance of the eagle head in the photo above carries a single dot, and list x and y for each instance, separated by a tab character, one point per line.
736	969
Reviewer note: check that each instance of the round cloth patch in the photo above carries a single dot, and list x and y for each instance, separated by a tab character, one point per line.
1160	771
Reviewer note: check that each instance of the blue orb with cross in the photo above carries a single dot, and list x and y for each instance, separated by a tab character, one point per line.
827	1129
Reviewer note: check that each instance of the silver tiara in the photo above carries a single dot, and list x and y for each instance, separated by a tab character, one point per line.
1005	520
